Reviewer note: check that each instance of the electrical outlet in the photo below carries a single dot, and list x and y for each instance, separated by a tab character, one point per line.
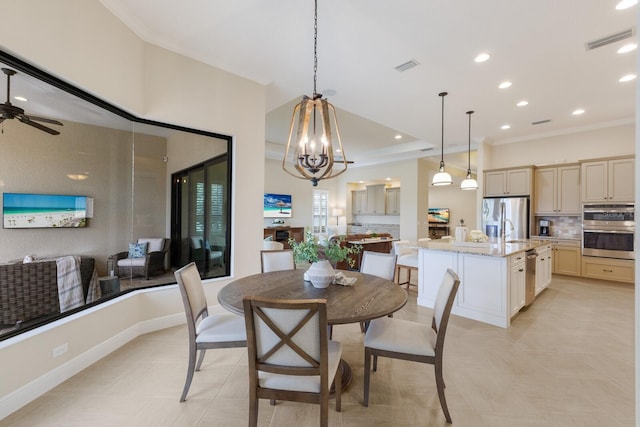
60	350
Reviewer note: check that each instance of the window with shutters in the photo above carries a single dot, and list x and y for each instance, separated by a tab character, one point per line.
320	211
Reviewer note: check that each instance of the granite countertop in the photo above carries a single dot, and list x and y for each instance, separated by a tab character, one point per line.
498	249
571	238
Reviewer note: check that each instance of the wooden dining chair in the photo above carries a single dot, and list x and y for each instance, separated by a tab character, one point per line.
413	341
218	329
290	355
378	264
277	260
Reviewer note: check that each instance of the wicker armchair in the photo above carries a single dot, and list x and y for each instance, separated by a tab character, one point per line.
152	263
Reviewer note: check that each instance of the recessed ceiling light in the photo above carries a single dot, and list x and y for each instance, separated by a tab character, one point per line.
482	57
578	112
388	179
20	98
361	182
398	137
522	103
628	48
504	85
338	150
505	127
627	78
626	4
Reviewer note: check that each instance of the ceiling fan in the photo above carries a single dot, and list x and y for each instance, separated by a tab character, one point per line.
8	111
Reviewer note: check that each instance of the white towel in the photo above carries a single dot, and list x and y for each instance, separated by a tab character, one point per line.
70	291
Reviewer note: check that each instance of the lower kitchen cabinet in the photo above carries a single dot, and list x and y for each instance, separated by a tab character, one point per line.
619	270
567	259
517	283
544	266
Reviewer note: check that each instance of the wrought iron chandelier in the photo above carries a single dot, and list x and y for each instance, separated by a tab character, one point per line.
469	183
309	153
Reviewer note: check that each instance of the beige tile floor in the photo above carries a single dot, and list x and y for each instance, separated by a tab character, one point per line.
567	361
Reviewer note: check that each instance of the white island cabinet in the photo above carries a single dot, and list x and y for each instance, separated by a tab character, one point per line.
491	279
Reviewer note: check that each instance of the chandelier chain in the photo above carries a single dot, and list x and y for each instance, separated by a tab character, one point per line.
315	48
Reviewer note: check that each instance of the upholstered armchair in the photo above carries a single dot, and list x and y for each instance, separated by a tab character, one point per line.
138	262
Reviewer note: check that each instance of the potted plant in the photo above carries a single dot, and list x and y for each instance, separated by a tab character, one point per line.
323	257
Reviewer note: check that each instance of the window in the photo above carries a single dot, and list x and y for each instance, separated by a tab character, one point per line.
320	211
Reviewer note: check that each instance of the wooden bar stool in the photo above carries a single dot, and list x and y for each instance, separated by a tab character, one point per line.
409	263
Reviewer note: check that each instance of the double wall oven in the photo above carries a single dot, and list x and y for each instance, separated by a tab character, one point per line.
608	230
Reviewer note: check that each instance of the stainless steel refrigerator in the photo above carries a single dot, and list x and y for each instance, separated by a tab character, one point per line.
510	213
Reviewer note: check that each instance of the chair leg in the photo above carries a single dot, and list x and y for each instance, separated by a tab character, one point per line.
200	359
324	410
337	380
375	363
253	409
330	331
367	376
364	325
190	370
440	387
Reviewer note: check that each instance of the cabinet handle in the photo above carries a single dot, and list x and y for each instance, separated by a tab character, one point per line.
521	270
607	271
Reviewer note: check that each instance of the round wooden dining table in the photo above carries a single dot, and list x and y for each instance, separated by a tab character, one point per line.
368	298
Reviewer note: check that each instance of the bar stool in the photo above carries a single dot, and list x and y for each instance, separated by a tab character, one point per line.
407	260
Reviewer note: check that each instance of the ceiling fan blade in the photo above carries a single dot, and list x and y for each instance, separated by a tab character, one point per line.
39	126
44	119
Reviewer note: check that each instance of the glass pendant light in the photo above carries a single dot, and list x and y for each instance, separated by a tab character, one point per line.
469	183
442	177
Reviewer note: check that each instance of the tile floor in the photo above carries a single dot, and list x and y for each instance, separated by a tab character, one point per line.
567	361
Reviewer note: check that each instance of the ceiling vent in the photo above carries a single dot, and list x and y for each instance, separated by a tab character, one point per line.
407	65
540	122
427	149
594	44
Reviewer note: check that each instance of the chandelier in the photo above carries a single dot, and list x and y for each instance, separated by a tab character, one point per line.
309	153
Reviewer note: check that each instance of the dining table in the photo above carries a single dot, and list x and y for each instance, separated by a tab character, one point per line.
368	298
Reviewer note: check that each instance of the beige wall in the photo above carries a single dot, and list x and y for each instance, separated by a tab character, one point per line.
98	54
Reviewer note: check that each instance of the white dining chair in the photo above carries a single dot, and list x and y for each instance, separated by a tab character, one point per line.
413	341
277	260
377	264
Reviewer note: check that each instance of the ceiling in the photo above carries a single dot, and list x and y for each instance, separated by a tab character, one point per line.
537	45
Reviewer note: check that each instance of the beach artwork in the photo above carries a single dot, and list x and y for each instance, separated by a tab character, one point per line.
43	211
277	205
438	215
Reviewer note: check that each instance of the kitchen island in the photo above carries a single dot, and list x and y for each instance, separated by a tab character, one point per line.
492	277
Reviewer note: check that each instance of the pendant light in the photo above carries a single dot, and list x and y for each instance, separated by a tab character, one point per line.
442	177
469	183
309	152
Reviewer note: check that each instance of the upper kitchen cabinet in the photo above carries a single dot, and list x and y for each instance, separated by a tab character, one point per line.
359	202
609	180
375	199
557	190
508	182
393	201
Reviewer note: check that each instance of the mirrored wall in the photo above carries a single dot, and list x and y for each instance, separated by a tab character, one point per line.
90	209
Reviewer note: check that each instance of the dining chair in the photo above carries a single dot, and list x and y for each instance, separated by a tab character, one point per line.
290	355
277	260
378	264
218	329
413	341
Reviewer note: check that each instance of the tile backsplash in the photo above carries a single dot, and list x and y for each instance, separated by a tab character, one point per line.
361	228
561	226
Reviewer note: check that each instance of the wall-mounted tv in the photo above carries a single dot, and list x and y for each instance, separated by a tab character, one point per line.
277	205
438	215
21	210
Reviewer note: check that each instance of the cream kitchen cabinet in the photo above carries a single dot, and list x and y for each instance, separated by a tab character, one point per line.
517	283
375	199
544	266
359	202
620	270
608	180
392	201
557	190
508	182
567	257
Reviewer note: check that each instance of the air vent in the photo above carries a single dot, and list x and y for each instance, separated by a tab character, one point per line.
407	65
539	122
427	149
594	44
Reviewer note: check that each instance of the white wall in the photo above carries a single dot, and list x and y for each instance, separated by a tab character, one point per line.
98	54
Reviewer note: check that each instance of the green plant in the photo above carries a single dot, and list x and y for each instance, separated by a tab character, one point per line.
311	251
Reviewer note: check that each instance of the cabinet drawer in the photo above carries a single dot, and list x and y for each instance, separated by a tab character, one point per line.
608	269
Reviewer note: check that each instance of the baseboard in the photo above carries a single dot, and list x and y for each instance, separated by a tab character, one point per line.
29	392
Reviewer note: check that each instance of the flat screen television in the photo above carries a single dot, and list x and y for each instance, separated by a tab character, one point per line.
277	205
438	215
22	210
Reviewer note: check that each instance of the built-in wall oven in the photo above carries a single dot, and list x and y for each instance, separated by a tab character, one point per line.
608	230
